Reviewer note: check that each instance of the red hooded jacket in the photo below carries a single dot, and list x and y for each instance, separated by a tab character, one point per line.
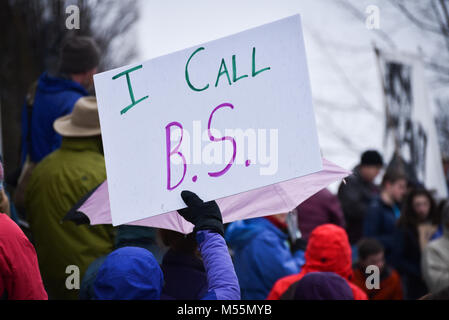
328	250
20	278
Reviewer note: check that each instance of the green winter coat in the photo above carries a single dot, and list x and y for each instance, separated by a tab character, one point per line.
56	185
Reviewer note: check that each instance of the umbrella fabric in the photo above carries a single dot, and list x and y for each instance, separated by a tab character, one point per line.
77	216
277	198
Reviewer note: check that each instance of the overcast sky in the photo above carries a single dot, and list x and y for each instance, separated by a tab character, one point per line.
341	62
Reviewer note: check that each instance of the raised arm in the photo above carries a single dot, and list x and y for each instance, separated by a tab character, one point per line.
206	217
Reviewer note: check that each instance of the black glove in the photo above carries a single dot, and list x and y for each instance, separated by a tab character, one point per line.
203	215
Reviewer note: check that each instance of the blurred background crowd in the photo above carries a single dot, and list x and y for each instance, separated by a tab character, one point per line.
392	128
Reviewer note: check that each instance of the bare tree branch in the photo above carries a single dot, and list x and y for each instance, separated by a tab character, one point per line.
363	103
420	23
30	38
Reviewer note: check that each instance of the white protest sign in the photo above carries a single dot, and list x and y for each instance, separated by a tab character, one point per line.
220	118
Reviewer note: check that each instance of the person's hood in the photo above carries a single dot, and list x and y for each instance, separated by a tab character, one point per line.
328	250
319	286
129	273
239	233
51	84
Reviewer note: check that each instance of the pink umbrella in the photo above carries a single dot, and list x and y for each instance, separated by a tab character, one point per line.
277	198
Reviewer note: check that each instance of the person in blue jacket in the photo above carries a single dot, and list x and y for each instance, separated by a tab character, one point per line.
55	96
262	254
132	273
383	213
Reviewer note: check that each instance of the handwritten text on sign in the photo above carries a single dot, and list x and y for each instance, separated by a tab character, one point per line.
239	88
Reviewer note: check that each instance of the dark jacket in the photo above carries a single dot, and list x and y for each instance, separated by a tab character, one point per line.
261	256
380	223
407	261
185	276
54	98
355	196
321	208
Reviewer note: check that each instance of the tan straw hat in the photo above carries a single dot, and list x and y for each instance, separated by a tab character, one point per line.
82	122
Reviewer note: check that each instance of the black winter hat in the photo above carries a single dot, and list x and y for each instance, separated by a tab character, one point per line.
371	158
78	54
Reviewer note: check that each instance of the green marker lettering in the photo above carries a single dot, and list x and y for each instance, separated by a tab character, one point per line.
254	72
234	71
220	73
187	72
130	89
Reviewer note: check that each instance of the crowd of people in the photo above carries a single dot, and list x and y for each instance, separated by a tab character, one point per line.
387	242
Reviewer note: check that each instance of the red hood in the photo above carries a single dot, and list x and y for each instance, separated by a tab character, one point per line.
328	250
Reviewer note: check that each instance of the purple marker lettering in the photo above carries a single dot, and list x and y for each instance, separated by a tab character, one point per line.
212	138
175	151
